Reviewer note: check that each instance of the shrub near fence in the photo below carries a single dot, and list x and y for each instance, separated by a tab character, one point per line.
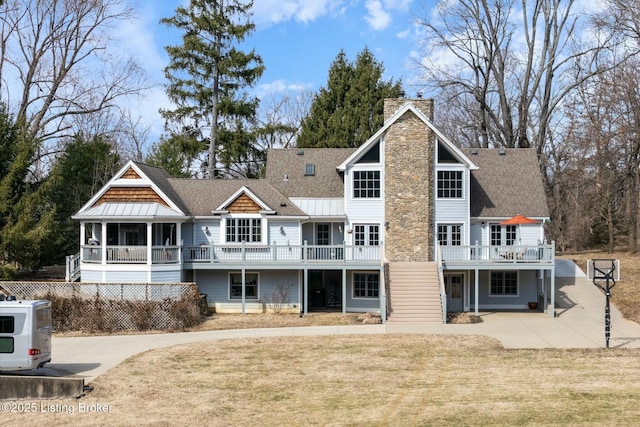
109	307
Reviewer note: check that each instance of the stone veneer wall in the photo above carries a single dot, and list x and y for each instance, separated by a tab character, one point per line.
409	168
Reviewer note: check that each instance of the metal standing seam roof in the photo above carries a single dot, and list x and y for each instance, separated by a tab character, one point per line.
332	207
506	184
122	210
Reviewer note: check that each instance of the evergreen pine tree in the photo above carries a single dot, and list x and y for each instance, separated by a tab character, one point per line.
350	109
207	74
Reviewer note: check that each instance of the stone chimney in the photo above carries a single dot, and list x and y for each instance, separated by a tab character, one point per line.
391	105
409	169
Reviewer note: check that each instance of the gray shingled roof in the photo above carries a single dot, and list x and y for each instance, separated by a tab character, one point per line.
326	182
201	196
506	185
160	177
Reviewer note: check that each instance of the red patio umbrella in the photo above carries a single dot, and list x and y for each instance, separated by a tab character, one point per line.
519	219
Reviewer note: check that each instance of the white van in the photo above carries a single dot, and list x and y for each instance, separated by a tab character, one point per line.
25	334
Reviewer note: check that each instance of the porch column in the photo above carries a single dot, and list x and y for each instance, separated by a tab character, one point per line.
306	290
179	240
243	289
552	309
475	296
149	245
103	244
82	240
344	291
383	296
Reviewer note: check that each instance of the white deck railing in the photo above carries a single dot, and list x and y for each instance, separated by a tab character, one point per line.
282	254
479	254
131	254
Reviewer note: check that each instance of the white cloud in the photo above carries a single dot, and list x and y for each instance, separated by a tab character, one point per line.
403	34
401	5
269	12
280	86
378	18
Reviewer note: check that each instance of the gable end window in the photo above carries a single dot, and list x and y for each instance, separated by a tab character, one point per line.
244	230
450	184
366	184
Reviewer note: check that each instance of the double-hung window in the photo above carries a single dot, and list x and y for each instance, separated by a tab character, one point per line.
366	285
366	235
504	283
250	285
366	184
244	230
449	184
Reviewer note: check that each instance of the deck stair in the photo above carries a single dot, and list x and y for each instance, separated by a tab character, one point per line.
414	292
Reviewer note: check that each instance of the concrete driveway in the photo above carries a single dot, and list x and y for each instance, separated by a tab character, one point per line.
579	323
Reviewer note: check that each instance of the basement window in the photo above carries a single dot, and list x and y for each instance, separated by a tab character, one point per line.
366	285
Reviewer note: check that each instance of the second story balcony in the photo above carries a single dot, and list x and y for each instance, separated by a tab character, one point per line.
289	254
514	256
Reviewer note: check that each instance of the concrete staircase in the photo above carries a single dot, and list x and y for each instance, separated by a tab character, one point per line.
414	292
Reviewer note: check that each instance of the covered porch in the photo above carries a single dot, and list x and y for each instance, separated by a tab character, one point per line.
483	277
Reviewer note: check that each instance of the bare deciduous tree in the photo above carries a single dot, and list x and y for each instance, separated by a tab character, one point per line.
512	62
56	66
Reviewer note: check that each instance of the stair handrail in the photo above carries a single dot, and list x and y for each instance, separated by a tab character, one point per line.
443	291
72	268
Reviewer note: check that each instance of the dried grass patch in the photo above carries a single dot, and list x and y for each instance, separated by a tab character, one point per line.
375	380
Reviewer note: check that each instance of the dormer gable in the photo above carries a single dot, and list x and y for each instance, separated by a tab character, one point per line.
244	201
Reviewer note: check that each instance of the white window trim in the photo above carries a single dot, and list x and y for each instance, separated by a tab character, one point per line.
353	286
257	298
450	232
463	180
503	234
367	232
516	295
352	181
263	229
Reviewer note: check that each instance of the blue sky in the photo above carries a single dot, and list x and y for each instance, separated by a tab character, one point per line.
297	39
